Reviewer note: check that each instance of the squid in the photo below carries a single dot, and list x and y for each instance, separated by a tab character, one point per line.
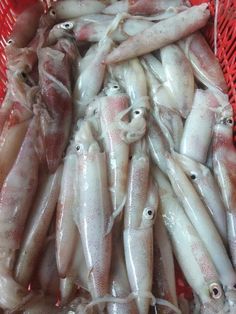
47	274
201	220
140	209
176	65
93	212
164	286
141	7
207	187
90	80
223	168
131	76
119	283
22	58
55	70
72	8
196	140
161	34
16	197
158	93
21	101
111	106
171	125
93	28
189	249
66	230
22	34
158	144
205	65
152	63
37	226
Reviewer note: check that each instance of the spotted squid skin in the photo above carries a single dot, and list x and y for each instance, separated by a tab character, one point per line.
93	212
161	34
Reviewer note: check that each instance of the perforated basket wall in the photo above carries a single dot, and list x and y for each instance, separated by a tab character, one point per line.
226	38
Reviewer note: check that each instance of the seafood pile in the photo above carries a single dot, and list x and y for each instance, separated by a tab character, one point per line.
116	162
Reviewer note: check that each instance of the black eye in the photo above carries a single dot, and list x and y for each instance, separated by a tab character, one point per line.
9	42
78	148
130	157
215	291
137	112
23	74
52	12
229	121
193	176
67	25
115	86
148	213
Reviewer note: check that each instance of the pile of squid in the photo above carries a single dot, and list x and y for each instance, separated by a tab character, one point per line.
116	162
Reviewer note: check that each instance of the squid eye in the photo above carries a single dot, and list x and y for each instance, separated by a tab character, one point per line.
52	12
138	112
67	25
77	147
215	291
193	176
23	75
148	213
228	121
9	42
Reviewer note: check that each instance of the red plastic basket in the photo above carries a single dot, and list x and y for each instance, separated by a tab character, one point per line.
226	53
